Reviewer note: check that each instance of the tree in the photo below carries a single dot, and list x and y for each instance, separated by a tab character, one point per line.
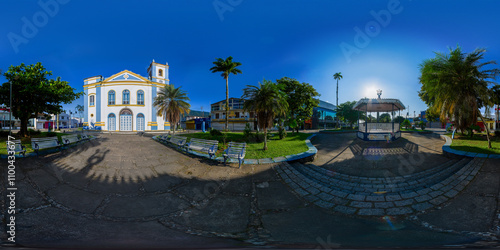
267	101
399	119
80	109
431	115
346	113
385	117
226	67
406	123
456	85
170	103
300	98
33	93
337	76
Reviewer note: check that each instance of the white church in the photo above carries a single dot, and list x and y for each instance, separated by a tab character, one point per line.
124	101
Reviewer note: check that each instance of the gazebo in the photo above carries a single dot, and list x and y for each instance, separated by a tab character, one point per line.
375	131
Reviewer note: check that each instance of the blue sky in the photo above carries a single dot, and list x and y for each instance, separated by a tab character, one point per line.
305	40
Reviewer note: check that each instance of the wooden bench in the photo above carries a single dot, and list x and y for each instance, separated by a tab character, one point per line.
207	146
68	139
235	150
178	140
16	146
44	143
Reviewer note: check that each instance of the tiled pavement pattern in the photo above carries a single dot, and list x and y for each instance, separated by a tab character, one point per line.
400	195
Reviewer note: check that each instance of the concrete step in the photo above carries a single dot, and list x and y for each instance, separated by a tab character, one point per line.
366	185
343	196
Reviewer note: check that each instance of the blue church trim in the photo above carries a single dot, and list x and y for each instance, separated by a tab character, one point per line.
98	104
153	109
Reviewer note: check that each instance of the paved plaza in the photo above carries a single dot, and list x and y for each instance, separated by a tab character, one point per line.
130	191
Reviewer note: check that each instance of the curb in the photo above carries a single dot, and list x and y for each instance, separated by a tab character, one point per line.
311	151
447	148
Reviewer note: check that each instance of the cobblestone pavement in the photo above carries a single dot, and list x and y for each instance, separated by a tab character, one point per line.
379	196
128	191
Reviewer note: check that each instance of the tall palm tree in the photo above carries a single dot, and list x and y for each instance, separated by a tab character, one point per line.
337	76
226	67
170	103
456	85
267	101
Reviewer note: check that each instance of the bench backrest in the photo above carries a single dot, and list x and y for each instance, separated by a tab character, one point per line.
178	140
236	148
17	145
47	142
70	138
196	141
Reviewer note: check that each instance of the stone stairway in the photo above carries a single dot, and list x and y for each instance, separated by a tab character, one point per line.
400	195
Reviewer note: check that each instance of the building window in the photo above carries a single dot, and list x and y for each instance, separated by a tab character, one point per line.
92	100
111	97
236	114
216	115
160	72
140	97
126	97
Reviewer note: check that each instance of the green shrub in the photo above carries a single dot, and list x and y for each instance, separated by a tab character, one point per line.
406	123
247	131
470	130
4	133
215	132
259	137
51	134
422	125
34	132
497	133
281	132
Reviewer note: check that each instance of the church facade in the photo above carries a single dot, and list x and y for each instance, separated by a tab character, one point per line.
124	101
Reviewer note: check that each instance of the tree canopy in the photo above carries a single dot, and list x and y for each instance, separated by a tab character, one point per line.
301	99
346	113
171	102
267	101
456	85
33	92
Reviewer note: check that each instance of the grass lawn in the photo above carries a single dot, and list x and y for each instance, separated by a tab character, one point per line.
25	141
293	144
476	144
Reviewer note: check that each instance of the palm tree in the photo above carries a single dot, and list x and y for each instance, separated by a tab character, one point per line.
80	109
456	85
226	67
337	76
170	103
267	101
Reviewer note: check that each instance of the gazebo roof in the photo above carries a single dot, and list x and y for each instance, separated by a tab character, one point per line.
379	105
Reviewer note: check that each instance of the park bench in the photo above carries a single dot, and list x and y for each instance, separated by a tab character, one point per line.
85	136
235	150
44	143
178	140
16	146
164	137
68	139
207	146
